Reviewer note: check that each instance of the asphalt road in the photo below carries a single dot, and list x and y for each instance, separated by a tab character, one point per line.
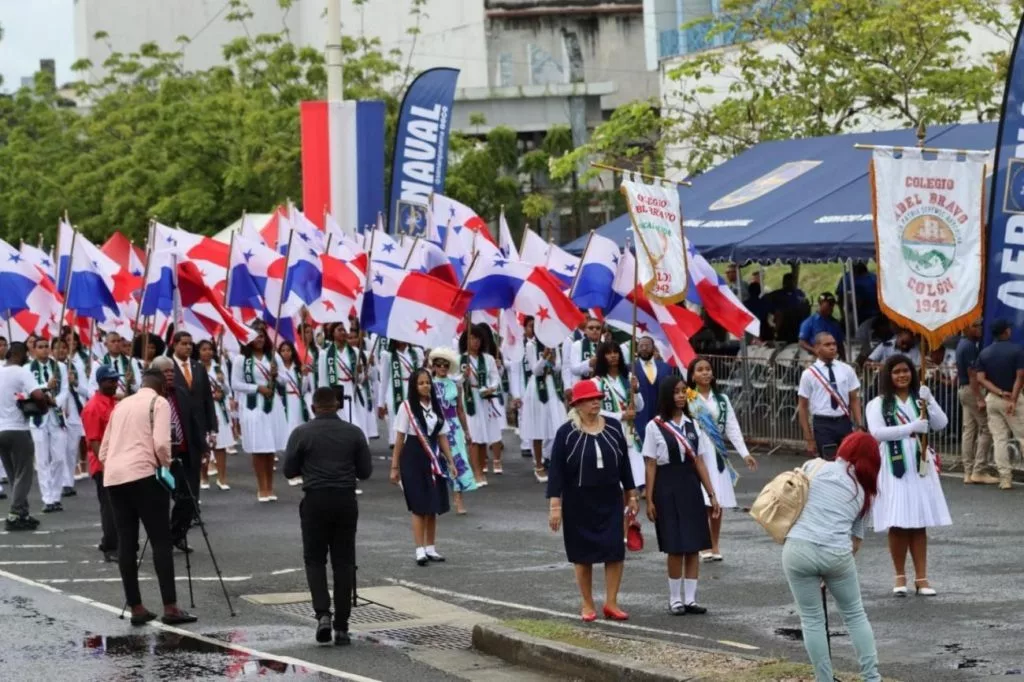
503	561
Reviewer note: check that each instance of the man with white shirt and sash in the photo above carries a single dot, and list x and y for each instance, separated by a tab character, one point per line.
829	399
582	357
49	431
128	367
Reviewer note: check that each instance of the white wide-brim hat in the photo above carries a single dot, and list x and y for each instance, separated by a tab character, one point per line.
448	354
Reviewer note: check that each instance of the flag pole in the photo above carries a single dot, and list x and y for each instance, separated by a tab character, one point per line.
522	240
465	277
145	278
576	275
653	178
67	282
632	335
412	249
284	290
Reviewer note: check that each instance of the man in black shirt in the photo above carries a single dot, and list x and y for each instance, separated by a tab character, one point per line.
1001	373
329	454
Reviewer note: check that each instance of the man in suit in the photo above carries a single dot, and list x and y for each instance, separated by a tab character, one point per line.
192	402
649	371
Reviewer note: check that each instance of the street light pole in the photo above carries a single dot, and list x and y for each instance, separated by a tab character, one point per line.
333	53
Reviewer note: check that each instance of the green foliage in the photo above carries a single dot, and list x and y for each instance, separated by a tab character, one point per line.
832	67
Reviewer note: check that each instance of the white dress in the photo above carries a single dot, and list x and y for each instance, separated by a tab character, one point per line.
370	389
263	432
616	400
537	420
486	421
218	379
409	360
349	377
721	481
296	390
911	501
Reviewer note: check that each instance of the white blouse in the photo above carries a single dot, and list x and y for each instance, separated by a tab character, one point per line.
937	420
656	448
403	424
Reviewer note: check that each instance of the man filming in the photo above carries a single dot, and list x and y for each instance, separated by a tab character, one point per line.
329	454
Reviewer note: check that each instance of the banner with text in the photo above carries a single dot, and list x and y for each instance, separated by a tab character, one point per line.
421	149
658	224
929	239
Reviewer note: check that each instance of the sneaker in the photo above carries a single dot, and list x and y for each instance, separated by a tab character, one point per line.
20	523
68	491
58	506
323	629
50	508
984	479
341	638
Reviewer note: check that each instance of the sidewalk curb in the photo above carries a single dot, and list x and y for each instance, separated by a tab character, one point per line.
519	648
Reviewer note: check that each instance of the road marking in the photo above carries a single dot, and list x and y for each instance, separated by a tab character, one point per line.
35	532
285	570
252	653
178	578
31	546
559	614
32	563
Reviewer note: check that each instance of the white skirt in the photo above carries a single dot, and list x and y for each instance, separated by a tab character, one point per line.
225	434
293	413
485	426
263	433
721	482
911	501
537	420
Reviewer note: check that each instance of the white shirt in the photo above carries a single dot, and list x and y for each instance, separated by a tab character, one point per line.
656	448
819	399
886	350
403	425
732	425
15	383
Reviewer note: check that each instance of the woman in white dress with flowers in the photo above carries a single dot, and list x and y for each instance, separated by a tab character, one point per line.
908	502
533	387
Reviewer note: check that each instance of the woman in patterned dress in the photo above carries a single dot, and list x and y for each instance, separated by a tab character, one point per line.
449	397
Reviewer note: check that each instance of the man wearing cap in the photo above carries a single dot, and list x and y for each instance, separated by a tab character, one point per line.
822	322
95	418
829	398
976	439
1001	373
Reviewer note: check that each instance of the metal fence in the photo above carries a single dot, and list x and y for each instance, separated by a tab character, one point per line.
762	387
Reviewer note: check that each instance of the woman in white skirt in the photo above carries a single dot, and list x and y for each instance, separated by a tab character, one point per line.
256	381
294	393
532	385
206	353
481	383
908	502
612	374
715	413
358	340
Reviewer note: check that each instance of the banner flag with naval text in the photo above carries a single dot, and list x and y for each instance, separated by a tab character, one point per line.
929	239
1004	276
421	149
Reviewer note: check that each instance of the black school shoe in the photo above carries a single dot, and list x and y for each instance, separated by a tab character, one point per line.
696	609
179	618
323	629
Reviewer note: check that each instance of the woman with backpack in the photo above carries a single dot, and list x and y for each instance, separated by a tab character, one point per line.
820	548
910	498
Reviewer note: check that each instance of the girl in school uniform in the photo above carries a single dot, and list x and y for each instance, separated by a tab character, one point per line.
541	412
675	452
294	393
421	441
612	375
481	383
714	412
206	353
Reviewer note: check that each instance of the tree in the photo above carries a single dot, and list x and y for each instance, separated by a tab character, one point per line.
809	68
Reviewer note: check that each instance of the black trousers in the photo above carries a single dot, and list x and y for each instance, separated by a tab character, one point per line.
147	501
108	543
829	432
185	468
329	517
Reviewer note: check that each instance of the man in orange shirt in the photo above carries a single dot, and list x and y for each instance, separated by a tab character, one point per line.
95	418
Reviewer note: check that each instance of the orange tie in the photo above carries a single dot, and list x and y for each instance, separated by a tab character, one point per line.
187	371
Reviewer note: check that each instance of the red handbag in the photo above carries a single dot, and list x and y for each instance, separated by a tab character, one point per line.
634	536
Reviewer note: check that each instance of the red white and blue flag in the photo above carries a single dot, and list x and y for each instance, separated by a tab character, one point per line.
412	307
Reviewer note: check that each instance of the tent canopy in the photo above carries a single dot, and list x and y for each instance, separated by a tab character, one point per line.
804	200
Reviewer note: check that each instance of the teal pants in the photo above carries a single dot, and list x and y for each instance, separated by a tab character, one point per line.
806	565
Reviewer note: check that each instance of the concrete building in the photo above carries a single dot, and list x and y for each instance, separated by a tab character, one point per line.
451	32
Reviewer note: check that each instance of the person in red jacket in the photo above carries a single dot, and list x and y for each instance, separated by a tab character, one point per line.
95	417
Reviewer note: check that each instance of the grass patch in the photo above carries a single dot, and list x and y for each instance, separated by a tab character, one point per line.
767	671
559	632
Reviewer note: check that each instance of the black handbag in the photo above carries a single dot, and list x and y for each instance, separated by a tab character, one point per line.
30	408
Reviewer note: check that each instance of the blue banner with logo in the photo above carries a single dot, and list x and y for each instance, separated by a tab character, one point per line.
421	149
1004	275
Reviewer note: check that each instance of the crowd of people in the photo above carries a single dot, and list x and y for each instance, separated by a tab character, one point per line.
602	429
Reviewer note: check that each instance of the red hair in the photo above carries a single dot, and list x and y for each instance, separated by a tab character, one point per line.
860	451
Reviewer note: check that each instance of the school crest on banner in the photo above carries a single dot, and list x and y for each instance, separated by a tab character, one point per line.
929	237
658	225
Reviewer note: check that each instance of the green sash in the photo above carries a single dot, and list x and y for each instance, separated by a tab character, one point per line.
249	369
541	382
283	392
217	381
333	366
611	401
37	370
481	381
84	355
397	384
121	365
894	448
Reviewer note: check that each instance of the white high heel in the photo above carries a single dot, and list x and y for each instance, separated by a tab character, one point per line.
924	591
900	590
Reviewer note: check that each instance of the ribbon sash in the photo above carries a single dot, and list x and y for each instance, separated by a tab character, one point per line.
250	368
680	437
435	463
816	373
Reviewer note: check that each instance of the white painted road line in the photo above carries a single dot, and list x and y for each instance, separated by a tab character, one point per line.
32	563
252	653
145	578
285	570
31	546
559	614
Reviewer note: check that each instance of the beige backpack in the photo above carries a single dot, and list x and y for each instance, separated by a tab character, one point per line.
780	503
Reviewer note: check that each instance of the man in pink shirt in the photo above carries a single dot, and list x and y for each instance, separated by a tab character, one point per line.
137	442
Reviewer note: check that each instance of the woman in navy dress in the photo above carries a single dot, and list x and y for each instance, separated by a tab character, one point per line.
590	483
420	461
674	449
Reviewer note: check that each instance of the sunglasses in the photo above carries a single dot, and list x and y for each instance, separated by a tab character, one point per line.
441	363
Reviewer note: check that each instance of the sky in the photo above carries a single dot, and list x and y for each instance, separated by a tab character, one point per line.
34	30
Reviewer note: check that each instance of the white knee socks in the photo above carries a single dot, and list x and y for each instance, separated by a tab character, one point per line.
690	589
675	589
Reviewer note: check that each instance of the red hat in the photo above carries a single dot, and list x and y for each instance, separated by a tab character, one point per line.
588	389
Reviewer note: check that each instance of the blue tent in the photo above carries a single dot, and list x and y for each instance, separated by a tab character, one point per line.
803	200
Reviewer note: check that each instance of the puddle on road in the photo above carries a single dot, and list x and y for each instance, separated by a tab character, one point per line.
180	657
966	662
797	635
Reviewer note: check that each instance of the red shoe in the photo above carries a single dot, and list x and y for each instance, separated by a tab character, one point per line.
589	617
615	614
